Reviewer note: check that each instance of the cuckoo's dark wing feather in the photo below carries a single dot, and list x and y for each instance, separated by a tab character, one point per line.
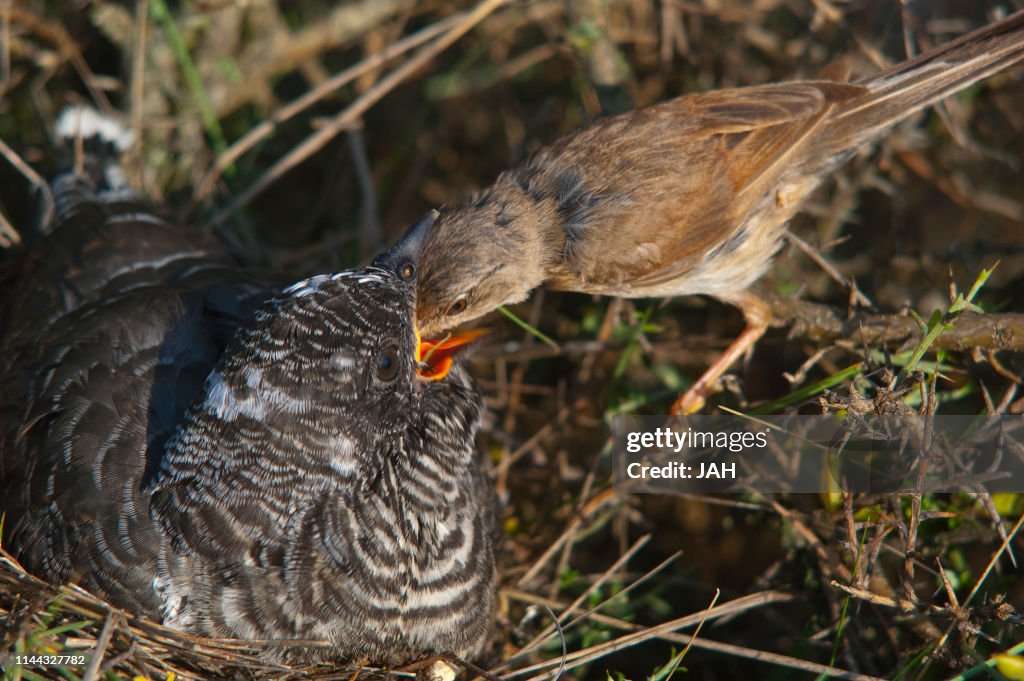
111	325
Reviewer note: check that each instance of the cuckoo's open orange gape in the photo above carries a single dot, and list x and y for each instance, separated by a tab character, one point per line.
435	355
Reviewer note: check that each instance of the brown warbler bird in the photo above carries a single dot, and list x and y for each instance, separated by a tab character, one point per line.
690	196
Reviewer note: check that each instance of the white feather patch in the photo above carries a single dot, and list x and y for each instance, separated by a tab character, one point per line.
85	122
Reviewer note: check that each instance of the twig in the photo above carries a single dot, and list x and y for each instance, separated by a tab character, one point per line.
601	499
68	49
349	116
667	632
34	179
823	323
540	638
981	580
800	375
284	51
828	268
5	43
8	234
507	461
820	322
92	669
371	240
138	82
285	113
902	604
657	569
673	32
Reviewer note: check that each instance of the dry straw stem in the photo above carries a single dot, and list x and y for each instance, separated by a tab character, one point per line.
93	668
5	43
67	47
598	502
266	61
548	631
333	84
351	115
8	234
856	297
667	632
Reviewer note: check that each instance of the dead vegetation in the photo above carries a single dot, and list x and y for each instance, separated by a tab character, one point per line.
312	133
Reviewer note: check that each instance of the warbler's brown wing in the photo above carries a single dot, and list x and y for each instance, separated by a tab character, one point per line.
672	182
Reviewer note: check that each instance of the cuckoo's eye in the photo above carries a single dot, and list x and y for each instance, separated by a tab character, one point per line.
407	271
458	307
387	364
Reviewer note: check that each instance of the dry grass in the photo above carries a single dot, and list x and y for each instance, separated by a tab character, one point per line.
312	133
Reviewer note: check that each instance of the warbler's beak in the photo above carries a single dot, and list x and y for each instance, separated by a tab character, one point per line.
435	356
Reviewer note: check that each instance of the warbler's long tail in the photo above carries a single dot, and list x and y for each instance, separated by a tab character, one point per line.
912	85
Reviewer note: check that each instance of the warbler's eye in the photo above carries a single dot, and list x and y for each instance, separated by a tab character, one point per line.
407	271
458	307
387	364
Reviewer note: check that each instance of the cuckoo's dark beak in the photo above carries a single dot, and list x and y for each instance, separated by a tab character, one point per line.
434	357
403	258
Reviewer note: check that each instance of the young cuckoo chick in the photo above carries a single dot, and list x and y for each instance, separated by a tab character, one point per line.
198	446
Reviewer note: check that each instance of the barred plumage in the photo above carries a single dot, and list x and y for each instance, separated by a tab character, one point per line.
237	468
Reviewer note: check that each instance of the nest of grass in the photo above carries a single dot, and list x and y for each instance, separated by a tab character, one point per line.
40	619
345	122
